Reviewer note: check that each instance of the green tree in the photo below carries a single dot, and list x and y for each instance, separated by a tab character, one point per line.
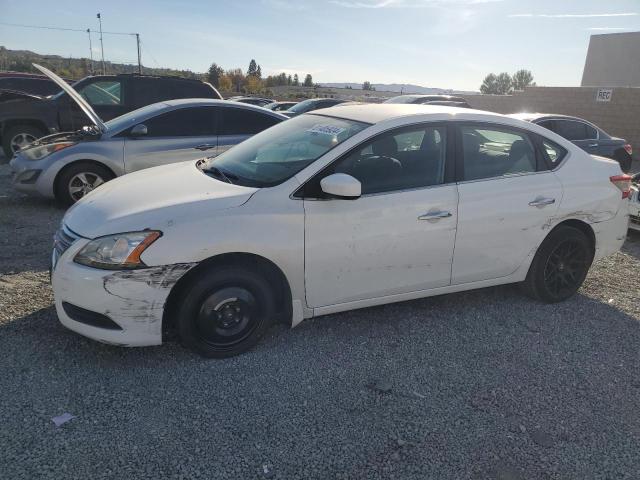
213	75
252	71
521	79
308	80
289	80
366	86
489	85
504	83
296	80
237	78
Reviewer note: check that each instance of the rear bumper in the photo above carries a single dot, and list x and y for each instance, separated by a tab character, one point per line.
611	234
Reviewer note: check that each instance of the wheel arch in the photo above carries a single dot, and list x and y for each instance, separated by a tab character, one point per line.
60	172
580	225
260	264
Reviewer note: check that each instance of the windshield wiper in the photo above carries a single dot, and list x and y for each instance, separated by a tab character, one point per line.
219	173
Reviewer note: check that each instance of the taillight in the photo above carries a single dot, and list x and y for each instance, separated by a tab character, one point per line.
628	149
623	182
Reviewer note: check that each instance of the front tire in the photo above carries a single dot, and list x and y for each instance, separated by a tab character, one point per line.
225	312
77	180
560	265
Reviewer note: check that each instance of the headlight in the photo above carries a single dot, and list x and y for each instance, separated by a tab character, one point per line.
119	251
41	151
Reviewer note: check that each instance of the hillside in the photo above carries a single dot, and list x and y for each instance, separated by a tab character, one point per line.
397	87
74	68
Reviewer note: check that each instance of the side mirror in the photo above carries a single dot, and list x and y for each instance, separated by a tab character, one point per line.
341	185
139	130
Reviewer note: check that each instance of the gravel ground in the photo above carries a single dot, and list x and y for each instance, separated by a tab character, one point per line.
478	385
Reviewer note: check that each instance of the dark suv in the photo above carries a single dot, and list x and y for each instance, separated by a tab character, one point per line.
26	118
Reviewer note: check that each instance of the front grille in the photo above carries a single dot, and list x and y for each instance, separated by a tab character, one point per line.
63	239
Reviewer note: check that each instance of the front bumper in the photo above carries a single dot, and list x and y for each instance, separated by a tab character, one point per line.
133	299
28	176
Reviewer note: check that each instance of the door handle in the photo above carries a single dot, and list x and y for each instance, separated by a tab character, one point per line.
435	215
592	145
204	146
542	202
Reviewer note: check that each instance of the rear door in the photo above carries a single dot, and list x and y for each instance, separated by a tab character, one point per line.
183	134
507	196
236	124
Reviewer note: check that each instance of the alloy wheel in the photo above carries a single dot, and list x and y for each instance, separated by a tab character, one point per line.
83	183
565	268
21	140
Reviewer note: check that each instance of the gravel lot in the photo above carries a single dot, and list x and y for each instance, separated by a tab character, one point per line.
479	385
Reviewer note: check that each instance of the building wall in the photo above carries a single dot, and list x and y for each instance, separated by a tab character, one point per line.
619	117
613	60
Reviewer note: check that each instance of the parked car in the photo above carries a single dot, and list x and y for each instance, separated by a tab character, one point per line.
586	135
311	105
260	102
443	100
634	203
280	106
22	120
30	83
330	211
67	166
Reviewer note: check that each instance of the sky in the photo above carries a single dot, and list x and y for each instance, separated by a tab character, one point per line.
433	43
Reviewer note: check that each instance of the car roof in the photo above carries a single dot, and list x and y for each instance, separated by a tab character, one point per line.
376	113
195	102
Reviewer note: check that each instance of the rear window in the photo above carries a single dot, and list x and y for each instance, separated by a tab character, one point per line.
553	152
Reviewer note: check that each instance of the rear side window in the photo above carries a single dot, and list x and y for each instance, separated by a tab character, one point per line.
552	152
185	122
490	152
241	121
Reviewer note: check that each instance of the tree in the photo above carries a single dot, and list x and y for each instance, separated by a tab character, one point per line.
226	85
253	84
289	80
259	72
253	68
366	86
213	75
308	81
521	79
296	80
504	83
496	84
237	78
489	85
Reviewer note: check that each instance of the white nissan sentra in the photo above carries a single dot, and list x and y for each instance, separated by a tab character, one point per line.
334	210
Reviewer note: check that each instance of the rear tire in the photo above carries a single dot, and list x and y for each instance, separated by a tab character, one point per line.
75	181
225	311
560	265
19	136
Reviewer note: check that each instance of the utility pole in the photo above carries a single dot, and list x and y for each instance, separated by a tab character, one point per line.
101	44
90	51
139	57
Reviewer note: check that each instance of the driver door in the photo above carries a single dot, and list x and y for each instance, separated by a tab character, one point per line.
398	237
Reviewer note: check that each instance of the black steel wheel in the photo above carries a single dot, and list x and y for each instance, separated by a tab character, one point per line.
560	265
225	311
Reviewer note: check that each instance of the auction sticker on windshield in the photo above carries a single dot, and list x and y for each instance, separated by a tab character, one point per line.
326	129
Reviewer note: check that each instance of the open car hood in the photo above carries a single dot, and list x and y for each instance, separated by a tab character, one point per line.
86	108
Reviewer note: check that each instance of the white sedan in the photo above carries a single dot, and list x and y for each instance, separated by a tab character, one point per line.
334	210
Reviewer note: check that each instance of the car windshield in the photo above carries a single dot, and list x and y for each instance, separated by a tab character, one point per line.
278	153
302	106
401	99
123	121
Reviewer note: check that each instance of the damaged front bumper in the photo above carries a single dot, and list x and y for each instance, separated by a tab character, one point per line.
122	307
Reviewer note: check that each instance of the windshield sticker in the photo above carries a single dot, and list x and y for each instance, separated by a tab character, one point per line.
326	129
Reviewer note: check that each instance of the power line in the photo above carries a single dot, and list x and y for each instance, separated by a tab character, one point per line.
44	27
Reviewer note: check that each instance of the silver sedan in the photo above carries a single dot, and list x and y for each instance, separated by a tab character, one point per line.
69	165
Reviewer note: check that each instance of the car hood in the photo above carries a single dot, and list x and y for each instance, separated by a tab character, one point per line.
155	198
82	103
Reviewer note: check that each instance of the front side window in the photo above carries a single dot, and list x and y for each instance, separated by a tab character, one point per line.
275	155
184	122
490	152
242	121
104	92
401	159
